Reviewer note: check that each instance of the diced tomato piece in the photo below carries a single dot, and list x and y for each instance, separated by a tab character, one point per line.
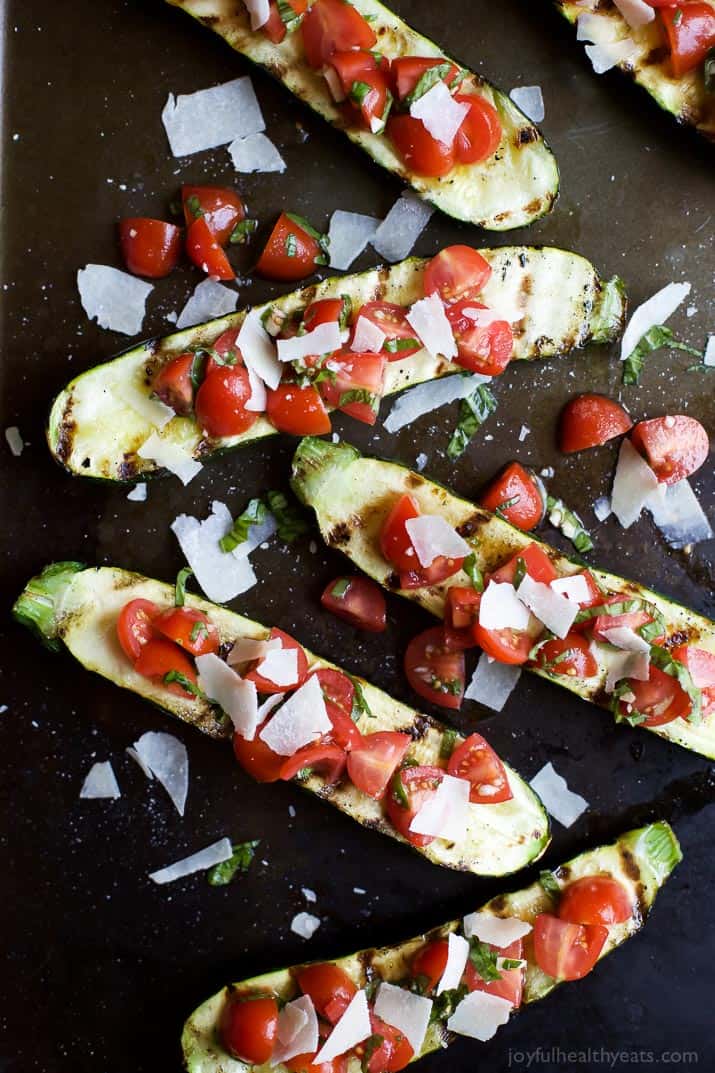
358	384
221	208
329	987
257	759
511	983
600	624
365	85
150	248
190	629
517	495
456	272
359	601
249	1027
570	655
538	566
392	1053
435	672
566	951
339	692
661	699
590	421
160	657
265	685
419	151
673	446
302	1063
410	789
324	311
275	29
506	645
701	665
595	900
690	28
372	765
397	547
461	612
483	345
221	402
400	340
322	759
429	963
408	70
332	26
475	760
299	411
479	136
205	252
174	386
134	626
293	249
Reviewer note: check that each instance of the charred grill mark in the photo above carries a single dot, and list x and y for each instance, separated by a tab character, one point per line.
393	581
473	524
499	904
656	55
629	864
419	728
525	136
128	468
339	535
414	481
680	637
65	433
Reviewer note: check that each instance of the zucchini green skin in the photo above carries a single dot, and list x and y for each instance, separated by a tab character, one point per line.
514	187
641	860
76	607
351	496
557	298
684	97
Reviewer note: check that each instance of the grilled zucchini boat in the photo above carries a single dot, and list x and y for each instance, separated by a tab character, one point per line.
556	299
649	65
515	186
75	607
641	860
352	495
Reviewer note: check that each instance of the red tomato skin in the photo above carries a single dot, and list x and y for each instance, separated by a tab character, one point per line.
275	30
480	134
397	548
486	349
515	481
361	66
475	760
372	765
673	446
221	402
339	693
462	611
393	1054
332	26
595	900
159	656
179	623
419	784
427	654
302	1062
150	248
355	371
651	696
690	29
329	987
275	262
390	319
249	1026
580	663
701	665
363	605
222	209
430	963
538	565
420	152
264	685
172	384
257	759
299	411
205	252
134	626
407	71
590	421
324	311
602	623
456	271
511	984
566	951
506	646
325	760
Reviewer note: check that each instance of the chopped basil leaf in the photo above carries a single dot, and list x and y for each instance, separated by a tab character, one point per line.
239	861
194	206
473	572
430	78
394	346
709	75
198	369
550	664
322	240
385	113
473	412
273	320
484	960
291	245
569	523
340	587
519	572
549	883
243	231
360	394
345	311
180	588
289	518
504	506
398	791
360	705
198	629
444	1005
677	17
358	92
656	338
229	358
446	745
183	681
254	514
371	1044
289	17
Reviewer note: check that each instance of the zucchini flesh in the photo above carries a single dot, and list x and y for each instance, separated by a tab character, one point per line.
514	187
563	303
78	607
351	496
641	860
685	97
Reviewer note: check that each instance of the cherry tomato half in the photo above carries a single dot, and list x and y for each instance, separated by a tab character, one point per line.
483	345
134	626
400	340
518	496
265	685
221	208
357	387
160	657
332	26
690	28
410	789
291	252
595	900
372	765
661	699
275	30
299	411
174	386
456	271
257	759
204	250
479	136
590	421
190	629
435	672
701	665
570	655
150	248
357	600
511	982
221	402
566	951
475	760
322	759
673	446
408	70
249	1027
329	987
419	151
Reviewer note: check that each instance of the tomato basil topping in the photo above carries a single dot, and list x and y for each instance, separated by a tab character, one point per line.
688	31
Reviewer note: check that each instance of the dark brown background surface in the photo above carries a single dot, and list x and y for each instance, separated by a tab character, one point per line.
100	966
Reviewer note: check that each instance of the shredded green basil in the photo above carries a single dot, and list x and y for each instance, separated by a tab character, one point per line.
183	681
501	508
360	704
253	514
446	745
484	960
290	18
243	231
569	523
473	572
239	861
549	883
346	311
519	572
322	240
371	1044
360	394
656	338
358	92
394	346
662	659
398	790
290	520
199	629
430	78
198	369
473	412
180	588
194	206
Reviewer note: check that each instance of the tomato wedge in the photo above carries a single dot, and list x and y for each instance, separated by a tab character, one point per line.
333	26
299	411
538	566
570	655
339	693
420	152
150	248
461	612
673	446
476	761
400	340
511	983
134	626
517	495
160	657
410	788
590	421
429	963
324	311
265	685
249	1027
661	699
257	759
174	386
357	600
392	1053
276	29
372	765
330	989
190	629
455	272
397	547
479	136
205	252
358	384
690	28
364	83
435	672
293	249
701	665
483	345
322	759
600	624
303	1063
408	70
566	951
595	900
221	208
221	402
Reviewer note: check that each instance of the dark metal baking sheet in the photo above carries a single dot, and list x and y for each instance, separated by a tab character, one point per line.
100	966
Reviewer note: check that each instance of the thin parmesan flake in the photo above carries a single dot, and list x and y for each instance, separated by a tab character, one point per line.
348	235
636	12
258	350
560	802
556	612
604	57
216	853
297	1030
352	1028
280	666
401	228
500	931
492	682
116	299
424	398
300	720
457	955
652	313
575	587
100	783
246	649
14	440
138	399
211	117
209	300
501	609
138	493
404	1010
305	925
324	339
432	537
167	759
709	356
256	153
221	575
429	320
259	11
479	1015
237	697
678	514
368	337
530	100
439	112
633	484
445	813
172	456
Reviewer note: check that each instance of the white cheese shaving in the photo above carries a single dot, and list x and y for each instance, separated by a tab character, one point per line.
501	609
131	751
352	1028
560	802
492	682
167	759
429	320
322	340
633	483
626	638
175	457
401	228
593	27
530	100
280	666
573	588
500	931
709	355
405	1011
555	611
420	462
368	337
221	575
246	649
256	153
258	399
259	10
208	301
604	57
649	314
678	514
335	84
297	1030
479	1015
523	433
156	412
348	235
100	782
258	350
116	299
602	508
432	537
457	955
138	493
236	697
445	813
300	720
14	440
309	895
211	117
636	12
439	112
427	397
256	537
305	925
621	664
216	853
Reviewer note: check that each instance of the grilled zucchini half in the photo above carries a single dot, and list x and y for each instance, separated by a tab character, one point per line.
76	607
514	187
641	860
555	300
352	495
685	97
